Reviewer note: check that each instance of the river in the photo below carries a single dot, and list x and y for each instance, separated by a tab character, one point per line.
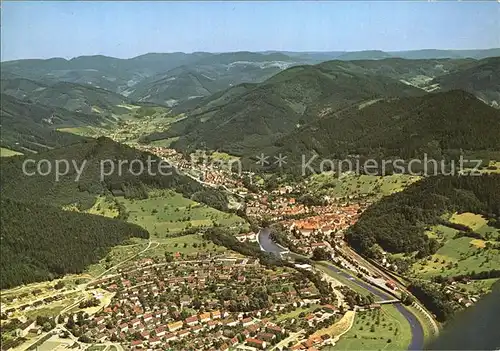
417	332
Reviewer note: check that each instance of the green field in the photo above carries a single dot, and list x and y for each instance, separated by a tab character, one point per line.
358	185
164	142
8	152
186	245
96	348
477	286
52	311
118	254
84	131
477	223
128	123
384	329
166	212
461	255
295	313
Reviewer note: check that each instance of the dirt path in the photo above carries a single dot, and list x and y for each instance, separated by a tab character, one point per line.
340	328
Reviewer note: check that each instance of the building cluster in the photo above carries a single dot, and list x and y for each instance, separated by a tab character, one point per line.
206	304
246	237
459	297
322	230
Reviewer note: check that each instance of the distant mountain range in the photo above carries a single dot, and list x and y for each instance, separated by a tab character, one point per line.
237	102
296	102
70	96
29	127
253	115
175	78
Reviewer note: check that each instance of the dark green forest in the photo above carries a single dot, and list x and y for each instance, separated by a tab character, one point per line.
398	222
41	242
434	298
96	155
440	125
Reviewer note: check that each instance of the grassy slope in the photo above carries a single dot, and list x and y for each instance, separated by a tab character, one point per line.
4	152
469	254
392	326
166	212
352	185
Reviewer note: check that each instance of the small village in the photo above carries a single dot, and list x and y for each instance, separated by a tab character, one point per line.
209	301
202	305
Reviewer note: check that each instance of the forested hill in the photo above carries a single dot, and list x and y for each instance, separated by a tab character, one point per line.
478	77
440	125
247	117
397	222
28	127
74	97
94	155
42	242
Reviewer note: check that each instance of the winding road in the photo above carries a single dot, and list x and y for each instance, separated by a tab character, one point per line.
417	332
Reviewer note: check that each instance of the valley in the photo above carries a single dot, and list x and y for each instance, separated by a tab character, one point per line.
224	253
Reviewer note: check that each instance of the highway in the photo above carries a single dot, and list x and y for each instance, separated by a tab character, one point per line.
417	339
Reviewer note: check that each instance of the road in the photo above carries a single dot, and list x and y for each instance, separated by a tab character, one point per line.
417	339
82	287
401	287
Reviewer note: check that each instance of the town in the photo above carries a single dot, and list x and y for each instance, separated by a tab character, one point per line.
226	301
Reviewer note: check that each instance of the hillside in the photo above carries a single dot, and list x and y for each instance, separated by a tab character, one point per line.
364	55
49	222
248	117
418	72
439	124
113	74
41	242
146	76
481	78
70	96
398	222
92	155
28	127
210	75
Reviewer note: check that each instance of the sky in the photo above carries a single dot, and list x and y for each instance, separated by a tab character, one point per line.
127	29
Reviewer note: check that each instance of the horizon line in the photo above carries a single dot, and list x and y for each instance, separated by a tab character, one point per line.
241	51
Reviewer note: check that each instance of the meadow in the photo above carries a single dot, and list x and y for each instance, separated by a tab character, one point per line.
358	185
116	255
184	245
463	254
380	329
165	212
8	152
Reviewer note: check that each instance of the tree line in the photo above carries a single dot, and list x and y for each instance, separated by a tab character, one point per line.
41	242
398	222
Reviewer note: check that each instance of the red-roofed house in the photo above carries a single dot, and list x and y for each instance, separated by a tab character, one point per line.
193	320
256	343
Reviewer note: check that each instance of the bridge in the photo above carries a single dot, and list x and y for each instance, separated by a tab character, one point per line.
386	302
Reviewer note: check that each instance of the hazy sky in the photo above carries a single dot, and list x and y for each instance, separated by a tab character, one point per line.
126	29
